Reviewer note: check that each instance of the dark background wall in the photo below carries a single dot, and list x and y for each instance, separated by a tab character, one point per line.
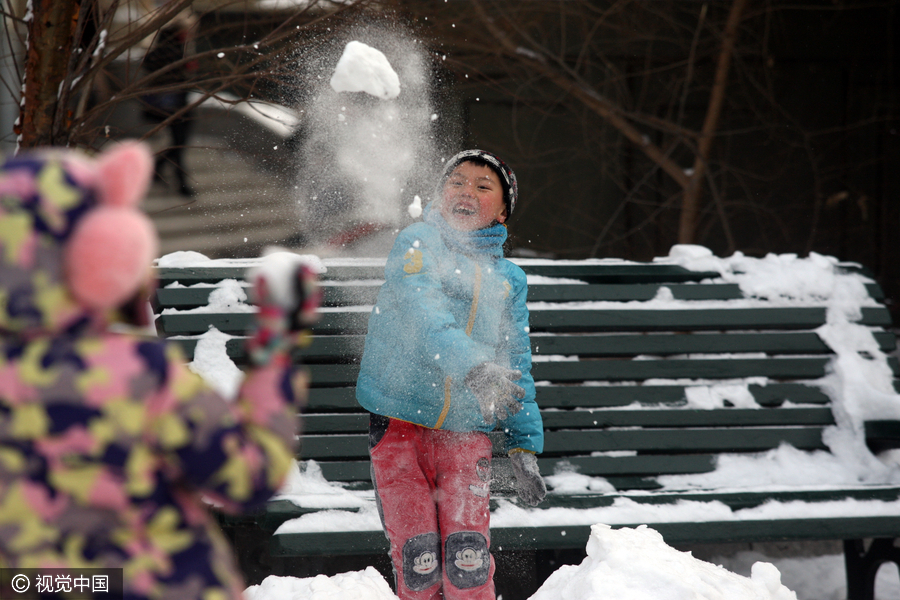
807	153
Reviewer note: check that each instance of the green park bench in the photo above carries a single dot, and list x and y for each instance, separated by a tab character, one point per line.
631	424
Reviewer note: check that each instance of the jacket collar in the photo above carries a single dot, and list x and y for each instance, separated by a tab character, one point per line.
487	242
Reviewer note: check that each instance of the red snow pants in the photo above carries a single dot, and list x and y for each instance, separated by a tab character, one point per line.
433	488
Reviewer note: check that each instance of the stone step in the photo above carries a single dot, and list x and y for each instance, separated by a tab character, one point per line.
236	210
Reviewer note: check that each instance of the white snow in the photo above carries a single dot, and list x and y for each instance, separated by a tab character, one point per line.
415	208
363	68
360	585
637	564
211	362
631	564
278	267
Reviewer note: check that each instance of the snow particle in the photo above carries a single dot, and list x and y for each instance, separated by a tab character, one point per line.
415	211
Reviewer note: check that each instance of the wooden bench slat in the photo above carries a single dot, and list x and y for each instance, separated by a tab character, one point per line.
686	440
630	292
279	511
717	319
349	347
568	396
575	396
644	465
349	295
721	417
336	398
734	500
633	370
576	536
792	342
571	441
572	419
638	370
619	273
592	273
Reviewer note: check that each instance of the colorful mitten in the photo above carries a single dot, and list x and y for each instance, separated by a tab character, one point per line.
287	295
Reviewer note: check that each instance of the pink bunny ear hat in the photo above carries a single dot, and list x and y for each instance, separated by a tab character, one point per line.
109	255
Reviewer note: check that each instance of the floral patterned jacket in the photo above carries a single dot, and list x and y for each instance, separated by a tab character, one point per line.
111	449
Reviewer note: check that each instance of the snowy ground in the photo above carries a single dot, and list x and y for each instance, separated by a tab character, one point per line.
630	564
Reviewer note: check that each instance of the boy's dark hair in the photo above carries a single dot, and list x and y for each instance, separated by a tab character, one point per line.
487	159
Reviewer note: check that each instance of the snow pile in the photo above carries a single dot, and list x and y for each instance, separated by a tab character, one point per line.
860	383
363	68
212	363
307	487
183	258
782	278
359	585
636	564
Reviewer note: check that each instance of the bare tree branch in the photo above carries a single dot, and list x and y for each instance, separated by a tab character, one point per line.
690	204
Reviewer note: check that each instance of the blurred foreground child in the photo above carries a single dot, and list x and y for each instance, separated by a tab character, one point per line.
110	448
447	359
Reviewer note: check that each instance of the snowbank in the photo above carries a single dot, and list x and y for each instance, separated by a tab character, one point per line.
636	564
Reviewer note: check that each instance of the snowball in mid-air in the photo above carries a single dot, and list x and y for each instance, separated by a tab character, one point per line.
362	68
415	209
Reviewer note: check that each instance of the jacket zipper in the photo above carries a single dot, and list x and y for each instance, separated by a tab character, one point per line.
473	311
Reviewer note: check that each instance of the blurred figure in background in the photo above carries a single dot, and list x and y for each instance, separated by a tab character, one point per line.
112	449
169	57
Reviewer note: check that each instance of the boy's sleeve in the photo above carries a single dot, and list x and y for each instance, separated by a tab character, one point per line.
411	269
236	453
525	429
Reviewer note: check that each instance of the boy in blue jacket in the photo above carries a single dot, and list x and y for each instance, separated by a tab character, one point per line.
447	358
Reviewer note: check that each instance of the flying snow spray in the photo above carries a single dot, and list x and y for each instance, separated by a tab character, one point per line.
367	144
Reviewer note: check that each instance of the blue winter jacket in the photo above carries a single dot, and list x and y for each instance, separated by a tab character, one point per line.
450	302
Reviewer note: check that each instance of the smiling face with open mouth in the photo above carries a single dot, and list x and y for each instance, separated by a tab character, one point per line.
473	198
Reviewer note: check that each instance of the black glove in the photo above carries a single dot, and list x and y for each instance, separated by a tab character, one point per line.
493	386
529	483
